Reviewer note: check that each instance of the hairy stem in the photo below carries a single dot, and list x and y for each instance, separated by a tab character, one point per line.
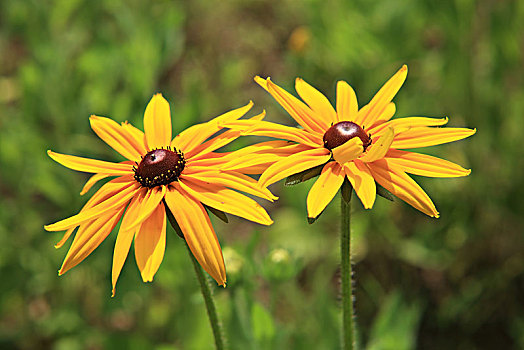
348	321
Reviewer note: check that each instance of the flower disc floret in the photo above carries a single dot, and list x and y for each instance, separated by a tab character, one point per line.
342	132
159	167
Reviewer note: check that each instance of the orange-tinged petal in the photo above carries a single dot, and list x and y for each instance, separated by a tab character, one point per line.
347	104
263	128
120	198
362	181
226	200
115	136
380	101
234	180
294	164
316	101
424	165
195	135
157	123
91	165
348	151
89	237
125	236
406	124
402	186
296	108
150	243
198	232
424	137
92	180
153	197
324	189
379	148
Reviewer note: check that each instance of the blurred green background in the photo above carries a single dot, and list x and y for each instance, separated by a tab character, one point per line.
456	282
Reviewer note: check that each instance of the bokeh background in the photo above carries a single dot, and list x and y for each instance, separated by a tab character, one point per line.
451	283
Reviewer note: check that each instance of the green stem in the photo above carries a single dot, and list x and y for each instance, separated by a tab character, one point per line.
348	321
210	304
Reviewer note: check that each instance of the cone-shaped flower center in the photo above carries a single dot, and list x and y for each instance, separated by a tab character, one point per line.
342	132
159	167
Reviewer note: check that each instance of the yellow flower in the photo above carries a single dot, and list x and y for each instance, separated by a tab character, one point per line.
362	145
183	173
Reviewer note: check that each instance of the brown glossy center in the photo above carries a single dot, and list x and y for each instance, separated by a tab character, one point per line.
342	132
159	167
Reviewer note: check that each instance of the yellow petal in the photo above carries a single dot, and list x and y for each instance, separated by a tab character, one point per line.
136	138
402	186
91	165
65	237
424	137
195	135
150	243
120	198
115	136
302	114
379	148
234	180
348	151
382	98
324	189
215	143
89	237
226	200
259	148
149	204
316	101
387	114
157	123
424	165
294	164
362	181
125	236
198	232
405	123
263	128
259	160
347	104
92	180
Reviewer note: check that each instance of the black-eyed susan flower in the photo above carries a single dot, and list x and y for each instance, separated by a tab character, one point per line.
363	145
182	173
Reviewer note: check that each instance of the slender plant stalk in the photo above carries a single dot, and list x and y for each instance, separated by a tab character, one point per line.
207	293
349	340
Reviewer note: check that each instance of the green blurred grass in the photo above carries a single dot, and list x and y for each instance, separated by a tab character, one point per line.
455	282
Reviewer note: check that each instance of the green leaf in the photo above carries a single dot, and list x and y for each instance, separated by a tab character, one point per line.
305	175
173	223
396	324
263	325
382	192
218	213
312	220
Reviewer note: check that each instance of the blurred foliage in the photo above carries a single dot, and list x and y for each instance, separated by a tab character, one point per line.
455	282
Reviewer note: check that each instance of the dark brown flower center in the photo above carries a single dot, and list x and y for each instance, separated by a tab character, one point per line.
159	167
342	132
